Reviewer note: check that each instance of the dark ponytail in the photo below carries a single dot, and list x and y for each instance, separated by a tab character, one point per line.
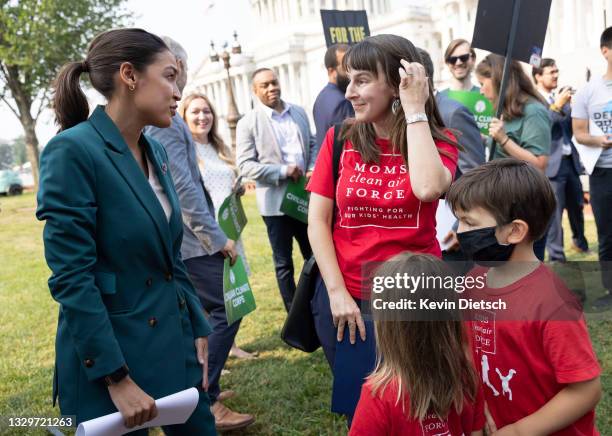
105	55
69	102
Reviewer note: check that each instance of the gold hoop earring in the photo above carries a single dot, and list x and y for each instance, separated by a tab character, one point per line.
132	87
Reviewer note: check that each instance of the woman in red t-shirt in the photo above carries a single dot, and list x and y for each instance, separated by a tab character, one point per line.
397	161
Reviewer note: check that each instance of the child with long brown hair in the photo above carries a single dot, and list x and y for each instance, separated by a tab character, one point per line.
424	382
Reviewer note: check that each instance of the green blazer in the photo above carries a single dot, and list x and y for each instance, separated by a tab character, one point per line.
124	294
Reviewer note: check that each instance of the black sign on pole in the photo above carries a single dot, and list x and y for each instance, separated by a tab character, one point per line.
514	29
344	27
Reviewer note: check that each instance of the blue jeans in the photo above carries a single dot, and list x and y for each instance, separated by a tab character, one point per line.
281	231
350	363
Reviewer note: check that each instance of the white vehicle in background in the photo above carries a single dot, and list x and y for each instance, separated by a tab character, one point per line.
10	183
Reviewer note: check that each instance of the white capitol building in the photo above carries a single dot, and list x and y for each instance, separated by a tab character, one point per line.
290	40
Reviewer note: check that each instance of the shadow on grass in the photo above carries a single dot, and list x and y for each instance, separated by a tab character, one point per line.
292	392
269	343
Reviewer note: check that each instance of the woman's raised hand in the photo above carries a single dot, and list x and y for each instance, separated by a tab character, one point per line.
346	312
414	87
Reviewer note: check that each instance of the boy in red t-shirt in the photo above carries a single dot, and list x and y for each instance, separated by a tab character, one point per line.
535	358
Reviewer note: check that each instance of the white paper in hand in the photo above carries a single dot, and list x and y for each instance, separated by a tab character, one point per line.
589	155
444	222
173	409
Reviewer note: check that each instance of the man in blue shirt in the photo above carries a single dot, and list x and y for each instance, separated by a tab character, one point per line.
331	107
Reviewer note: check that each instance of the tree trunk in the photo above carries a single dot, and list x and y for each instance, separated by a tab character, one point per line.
29	126
24	105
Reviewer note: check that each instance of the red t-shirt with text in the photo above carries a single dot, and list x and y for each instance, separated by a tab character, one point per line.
526	357
377	214
380	415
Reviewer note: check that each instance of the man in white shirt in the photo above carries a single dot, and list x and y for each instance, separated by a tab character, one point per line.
592	124
274	144
564	167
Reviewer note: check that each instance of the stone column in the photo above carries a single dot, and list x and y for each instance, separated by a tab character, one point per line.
256	7
293	82
246	93
282	10
282	80
567	27
463	14
583	10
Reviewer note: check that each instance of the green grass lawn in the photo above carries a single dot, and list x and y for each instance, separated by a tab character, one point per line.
288	391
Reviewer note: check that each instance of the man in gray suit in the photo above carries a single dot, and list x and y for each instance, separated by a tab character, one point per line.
274	144
458	118
203	249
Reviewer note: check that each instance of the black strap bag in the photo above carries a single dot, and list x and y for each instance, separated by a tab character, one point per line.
299	328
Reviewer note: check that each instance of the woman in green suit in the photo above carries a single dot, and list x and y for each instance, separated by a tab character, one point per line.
130	328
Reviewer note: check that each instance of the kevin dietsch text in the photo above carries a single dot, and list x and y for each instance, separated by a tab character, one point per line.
428	304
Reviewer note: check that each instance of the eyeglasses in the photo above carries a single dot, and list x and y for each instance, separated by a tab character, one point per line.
453	59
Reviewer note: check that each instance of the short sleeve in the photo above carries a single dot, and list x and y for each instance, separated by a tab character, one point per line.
536	132
569	351
370	418
448	153
580	105
322	180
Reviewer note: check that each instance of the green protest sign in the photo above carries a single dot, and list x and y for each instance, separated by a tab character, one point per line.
478	105
232	218
295	202
237	293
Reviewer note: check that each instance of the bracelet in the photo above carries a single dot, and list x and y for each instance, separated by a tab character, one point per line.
416	117
503	144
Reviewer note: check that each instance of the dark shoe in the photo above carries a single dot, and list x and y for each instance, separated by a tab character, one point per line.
226	419
603	303
226	395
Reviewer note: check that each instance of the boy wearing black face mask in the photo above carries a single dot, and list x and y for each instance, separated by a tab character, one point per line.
539	371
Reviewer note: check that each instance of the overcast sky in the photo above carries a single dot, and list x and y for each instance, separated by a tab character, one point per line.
193	23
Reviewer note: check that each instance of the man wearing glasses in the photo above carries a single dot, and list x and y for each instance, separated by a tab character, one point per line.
460	59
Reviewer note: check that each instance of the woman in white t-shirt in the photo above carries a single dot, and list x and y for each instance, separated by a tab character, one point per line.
217	164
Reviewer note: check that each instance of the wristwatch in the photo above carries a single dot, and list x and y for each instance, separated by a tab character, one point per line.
116	376
415	118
